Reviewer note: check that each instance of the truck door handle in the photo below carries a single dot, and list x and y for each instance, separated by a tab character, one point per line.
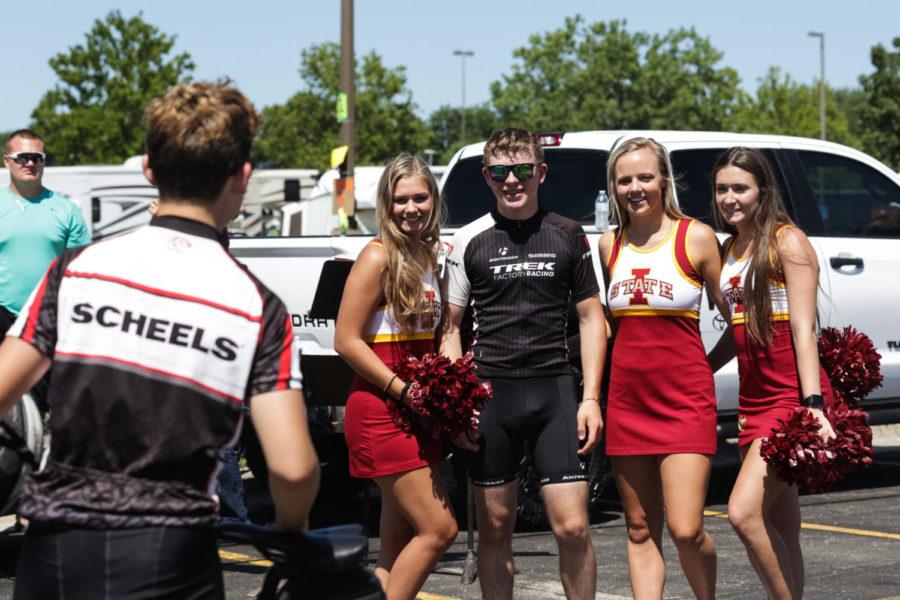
845	261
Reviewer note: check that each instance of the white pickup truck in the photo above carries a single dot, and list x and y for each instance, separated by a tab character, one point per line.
846	201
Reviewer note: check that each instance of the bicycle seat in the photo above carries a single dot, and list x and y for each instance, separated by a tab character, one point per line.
319	551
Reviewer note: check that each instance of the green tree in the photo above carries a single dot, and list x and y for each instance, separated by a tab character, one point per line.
881	111
94	114
850	101
302	132
601	76
446	128
784	106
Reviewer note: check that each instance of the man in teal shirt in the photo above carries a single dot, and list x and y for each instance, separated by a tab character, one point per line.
36	225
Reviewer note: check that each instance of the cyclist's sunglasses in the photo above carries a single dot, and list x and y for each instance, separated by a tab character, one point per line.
522	171
22	158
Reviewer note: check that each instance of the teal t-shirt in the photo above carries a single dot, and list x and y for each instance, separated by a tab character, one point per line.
34	231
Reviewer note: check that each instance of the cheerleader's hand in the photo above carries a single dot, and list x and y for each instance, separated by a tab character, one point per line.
413	396
826	432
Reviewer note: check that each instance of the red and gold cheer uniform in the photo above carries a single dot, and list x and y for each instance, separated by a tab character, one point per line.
377	446
769	383
661	393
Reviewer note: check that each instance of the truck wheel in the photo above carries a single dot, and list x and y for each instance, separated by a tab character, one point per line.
25	437
530	508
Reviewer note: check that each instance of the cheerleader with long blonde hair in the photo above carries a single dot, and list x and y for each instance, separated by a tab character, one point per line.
391	309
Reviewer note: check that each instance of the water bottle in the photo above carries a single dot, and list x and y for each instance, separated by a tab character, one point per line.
601	211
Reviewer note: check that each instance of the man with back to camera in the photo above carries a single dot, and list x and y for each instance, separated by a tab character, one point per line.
520	266
36	225
157	337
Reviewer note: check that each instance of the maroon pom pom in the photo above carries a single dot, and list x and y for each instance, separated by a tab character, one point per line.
798	455
444	397
794	449
852	363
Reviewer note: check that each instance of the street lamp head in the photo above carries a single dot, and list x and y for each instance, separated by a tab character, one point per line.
463	53
818	34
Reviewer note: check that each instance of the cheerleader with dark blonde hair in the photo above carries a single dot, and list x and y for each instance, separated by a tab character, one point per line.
391	309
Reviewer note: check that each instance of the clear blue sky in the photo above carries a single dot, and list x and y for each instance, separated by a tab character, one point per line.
258	43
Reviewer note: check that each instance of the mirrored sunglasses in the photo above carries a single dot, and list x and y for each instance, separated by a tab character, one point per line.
522	171
22	158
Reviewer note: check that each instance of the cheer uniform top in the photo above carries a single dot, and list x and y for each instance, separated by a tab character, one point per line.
661	393
377	446
769	384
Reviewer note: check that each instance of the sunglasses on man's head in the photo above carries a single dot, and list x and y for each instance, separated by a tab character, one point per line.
522	171
22	158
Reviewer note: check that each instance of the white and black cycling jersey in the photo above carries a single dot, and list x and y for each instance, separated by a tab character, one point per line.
158	339
521	277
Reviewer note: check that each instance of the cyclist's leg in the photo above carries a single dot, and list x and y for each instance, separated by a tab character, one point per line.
493	471
563	480
419	497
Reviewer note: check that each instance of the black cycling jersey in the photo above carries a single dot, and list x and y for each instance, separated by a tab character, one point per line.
521	277
158	339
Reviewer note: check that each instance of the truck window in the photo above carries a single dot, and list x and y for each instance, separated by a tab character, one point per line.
573	180
854	199
693	181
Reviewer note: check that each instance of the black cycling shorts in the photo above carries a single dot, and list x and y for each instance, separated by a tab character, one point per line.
60	562
539	410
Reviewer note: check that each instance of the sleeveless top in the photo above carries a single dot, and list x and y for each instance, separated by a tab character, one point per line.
734	279
661	393
383	326
769	382
389	341
646	281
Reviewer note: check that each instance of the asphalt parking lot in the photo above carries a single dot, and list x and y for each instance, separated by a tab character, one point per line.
851	541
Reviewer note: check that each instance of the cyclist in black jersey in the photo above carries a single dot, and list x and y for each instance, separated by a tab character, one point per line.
157	339
520	267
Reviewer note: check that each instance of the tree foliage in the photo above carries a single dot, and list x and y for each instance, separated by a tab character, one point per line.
786	107
94	114
881	111
446	128
302	132
601	76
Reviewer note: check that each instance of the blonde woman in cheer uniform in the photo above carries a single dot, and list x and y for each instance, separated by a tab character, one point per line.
390	310
661	415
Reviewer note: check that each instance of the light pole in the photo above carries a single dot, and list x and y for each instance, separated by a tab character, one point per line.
463	54
821	36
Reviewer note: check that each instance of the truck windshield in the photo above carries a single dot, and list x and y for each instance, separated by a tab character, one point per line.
573	180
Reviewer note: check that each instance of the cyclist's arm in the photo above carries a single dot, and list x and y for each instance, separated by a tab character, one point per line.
21	366
451	343
592	333
280	421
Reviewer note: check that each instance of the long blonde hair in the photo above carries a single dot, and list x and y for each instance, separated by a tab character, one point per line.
407	258
768	219
670	205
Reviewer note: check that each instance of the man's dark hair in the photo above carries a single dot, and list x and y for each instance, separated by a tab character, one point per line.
199	135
